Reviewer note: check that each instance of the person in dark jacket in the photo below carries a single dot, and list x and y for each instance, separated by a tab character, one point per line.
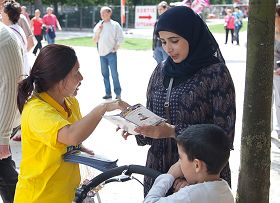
192	86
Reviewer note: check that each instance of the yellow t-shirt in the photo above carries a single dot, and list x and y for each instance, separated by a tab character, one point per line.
44	176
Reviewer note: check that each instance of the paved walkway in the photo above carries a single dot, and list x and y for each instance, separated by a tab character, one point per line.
135	68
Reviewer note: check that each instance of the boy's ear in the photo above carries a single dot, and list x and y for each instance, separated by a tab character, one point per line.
199	165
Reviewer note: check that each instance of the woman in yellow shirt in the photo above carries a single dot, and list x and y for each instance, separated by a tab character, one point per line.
51	123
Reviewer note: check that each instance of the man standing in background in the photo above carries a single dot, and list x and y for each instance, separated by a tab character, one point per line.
158	53
238	15
10	71
108	35
51	22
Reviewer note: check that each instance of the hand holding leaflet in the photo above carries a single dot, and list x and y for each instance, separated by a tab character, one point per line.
133	116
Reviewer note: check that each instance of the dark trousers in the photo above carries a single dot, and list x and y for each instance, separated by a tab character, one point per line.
232	35
38	45
8	179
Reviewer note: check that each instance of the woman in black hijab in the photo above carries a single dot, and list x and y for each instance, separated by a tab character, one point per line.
201	88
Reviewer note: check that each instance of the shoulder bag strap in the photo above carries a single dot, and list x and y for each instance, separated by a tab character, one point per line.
19	34
166	103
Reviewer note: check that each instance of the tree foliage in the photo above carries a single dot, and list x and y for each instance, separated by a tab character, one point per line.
108	2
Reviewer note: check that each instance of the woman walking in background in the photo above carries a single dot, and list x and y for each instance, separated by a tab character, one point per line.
36	25
229	25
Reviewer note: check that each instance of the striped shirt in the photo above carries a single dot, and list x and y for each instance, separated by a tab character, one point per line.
10	70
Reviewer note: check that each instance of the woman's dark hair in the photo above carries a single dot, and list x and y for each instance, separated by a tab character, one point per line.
52	65
208	143
278	9
13	10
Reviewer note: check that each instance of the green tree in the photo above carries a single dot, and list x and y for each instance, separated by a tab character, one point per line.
254	175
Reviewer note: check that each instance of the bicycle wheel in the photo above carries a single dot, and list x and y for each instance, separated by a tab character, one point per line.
81	192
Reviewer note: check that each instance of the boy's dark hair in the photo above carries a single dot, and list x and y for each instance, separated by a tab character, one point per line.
208	143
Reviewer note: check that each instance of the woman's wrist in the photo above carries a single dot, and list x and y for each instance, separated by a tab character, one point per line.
171	129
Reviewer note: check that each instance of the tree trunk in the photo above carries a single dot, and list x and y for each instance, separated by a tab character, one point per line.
254	175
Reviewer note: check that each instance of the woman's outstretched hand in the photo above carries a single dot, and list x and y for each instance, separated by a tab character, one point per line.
116	104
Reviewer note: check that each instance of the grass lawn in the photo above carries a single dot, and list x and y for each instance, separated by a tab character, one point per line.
136	43
129	43
219	28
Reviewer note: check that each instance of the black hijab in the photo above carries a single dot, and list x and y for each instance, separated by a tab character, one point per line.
203	48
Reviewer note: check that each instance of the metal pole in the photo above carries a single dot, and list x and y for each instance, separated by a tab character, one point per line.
126	17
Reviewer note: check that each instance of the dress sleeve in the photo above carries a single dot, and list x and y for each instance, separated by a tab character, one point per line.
223	101
140	139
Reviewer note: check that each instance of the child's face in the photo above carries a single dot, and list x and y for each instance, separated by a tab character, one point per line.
189	168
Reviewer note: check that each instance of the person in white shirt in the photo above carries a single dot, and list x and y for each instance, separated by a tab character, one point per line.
108	35
10	71
204	150
10	16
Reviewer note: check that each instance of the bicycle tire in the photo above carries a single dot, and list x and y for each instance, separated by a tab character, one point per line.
82	191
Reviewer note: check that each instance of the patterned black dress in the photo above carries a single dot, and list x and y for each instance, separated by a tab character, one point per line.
206	97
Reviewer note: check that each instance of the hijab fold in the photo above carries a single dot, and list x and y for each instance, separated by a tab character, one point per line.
203	48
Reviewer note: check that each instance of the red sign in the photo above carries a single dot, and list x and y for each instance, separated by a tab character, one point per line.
145	17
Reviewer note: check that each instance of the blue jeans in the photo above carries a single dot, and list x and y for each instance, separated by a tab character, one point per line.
159	54
236	33
50	40
106	62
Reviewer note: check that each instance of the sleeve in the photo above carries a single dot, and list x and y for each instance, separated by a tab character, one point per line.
10	69
119	34
96	27
223	100
23	23
160	188
47	131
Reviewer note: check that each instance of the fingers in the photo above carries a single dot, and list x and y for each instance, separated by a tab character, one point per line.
149	131
116	104
125	135
86	150
179	183
123	105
